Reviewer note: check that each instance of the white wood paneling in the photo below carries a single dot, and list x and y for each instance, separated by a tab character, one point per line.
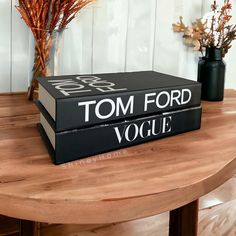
141	35
21	57
109	35
5	46
230	59
167	44
76	45
188	59
171	55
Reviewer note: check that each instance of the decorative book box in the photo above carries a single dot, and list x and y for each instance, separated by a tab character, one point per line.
89	114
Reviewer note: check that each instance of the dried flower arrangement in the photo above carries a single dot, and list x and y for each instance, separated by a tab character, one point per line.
213	30
44	17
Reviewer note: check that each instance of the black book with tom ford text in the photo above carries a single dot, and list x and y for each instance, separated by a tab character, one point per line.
80	101
79	143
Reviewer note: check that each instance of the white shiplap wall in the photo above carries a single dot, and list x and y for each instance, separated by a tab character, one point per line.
172	56
5	46
109	36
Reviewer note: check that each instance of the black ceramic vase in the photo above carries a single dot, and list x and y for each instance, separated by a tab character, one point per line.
211	74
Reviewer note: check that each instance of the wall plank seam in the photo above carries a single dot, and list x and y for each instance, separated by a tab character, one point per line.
154	56
127	37
92	40
11	49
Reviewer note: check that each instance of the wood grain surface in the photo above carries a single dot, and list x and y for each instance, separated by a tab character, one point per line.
123	185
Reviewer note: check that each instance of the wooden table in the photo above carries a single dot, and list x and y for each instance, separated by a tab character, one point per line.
141	181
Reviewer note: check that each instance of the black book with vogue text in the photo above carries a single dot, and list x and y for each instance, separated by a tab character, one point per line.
79	101
79	143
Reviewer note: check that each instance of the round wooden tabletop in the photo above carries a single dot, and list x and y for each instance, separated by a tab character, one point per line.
123	185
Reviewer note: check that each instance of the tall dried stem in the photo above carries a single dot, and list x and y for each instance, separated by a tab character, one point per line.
44	17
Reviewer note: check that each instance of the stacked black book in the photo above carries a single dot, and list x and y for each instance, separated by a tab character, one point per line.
83	115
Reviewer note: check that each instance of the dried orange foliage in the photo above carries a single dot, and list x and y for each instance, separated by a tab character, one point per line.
192	35
44	17
212	31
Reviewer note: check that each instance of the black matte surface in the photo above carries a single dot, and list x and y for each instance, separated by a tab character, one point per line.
73	145
70	116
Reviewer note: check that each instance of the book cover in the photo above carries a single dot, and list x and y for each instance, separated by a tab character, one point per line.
86	100
79	143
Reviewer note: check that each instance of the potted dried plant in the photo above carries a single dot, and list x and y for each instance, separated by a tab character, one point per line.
44	18
212	35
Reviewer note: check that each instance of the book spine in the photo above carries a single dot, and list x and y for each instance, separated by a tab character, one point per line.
88	111
73	145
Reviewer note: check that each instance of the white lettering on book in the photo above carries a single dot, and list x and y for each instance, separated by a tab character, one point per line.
155	127
111	112
167	99
86	105
117	108
68	86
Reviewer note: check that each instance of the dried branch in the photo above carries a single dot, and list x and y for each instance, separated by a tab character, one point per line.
212	32
44	17
193	36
